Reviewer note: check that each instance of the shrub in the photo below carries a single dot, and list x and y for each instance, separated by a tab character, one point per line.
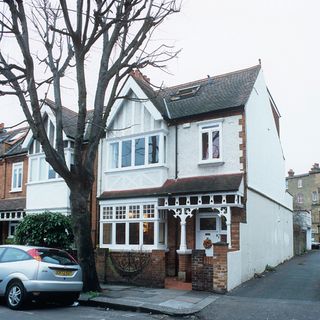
45	229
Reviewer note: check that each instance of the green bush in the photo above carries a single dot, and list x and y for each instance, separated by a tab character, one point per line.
45	229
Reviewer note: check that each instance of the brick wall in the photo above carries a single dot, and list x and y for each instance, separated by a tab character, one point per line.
202	271
236	218
220	267
184	267
152	274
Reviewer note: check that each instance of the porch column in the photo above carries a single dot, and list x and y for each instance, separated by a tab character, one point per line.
183	214
228	218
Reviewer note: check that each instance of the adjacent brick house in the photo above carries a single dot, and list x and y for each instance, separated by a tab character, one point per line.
305	191
13	177
187	186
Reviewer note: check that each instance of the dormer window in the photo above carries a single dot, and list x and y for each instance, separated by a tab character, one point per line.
185	93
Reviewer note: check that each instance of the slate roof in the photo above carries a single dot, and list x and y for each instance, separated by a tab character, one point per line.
69	119
11	141
191	185
14	204
216	93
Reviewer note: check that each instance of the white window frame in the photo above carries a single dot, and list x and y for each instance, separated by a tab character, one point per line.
38	158
299	183
162	150
17	169
210	127
300	198
314	196
10	225
157	219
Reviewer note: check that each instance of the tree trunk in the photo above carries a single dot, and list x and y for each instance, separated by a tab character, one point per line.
79	199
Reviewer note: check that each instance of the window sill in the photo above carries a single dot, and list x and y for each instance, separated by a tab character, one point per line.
133	248
162	165
15	190
45	181
211	163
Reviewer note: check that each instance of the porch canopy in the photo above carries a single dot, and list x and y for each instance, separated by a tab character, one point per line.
12	209
185	196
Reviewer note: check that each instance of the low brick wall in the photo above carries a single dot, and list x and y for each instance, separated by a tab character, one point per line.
202	271
210	273
220	267
143	269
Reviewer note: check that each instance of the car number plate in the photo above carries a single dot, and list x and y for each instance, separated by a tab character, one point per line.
63	273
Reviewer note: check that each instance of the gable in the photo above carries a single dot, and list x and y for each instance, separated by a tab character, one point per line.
48	116
134	114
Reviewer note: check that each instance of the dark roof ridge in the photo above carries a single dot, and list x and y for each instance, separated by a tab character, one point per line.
213	77
52	105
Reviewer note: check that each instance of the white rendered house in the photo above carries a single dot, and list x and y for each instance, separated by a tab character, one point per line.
46	190
193	173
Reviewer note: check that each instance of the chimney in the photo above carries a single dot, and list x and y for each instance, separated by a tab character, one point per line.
1	127
290	173
139	75
315	168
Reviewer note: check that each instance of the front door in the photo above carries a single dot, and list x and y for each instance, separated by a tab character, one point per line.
208	226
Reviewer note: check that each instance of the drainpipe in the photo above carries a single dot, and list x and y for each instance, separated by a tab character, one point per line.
176	152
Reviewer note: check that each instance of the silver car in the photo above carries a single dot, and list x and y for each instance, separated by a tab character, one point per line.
34	273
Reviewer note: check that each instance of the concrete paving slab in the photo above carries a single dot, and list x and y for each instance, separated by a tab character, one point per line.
166	301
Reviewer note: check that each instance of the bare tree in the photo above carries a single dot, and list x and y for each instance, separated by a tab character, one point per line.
69	32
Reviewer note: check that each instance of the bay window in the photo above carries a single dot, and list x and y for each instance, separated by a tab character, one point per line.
132	226
137	152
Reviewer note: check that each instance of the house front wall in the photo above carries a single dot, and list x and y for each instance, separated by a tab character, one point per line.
54	197
189	148
11	189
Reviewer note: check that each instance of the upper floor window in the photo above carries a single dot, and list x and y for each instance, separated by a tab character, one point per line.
300	198
314	196
40	170
17	175
136	152
299	183
210	141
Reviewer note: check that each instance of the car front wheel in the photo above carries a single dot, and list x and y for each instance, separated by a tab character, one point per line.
15	295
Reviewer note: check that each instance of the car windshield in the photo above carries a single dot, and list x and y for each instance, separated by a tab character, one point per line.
56	257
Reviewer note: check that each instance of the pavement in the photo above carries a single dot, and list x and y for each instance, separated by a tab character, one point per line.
292	291
167	301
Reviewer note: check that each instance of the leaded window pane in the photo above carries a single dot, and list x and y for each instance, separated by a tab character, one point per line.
139	145
153	152
148	233
134	233
120	233
126	153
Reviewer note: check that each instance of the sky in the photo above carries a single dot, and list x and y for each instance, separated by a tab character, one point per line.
223	36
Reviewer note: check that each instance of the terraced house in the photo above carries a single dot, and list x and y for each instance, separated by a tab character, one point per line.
13	178
191	183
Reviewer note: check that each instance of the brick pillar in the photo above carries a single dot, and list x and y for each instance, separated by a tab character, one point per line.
202	271
220	267
100	255
235	228
184	273
158	263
